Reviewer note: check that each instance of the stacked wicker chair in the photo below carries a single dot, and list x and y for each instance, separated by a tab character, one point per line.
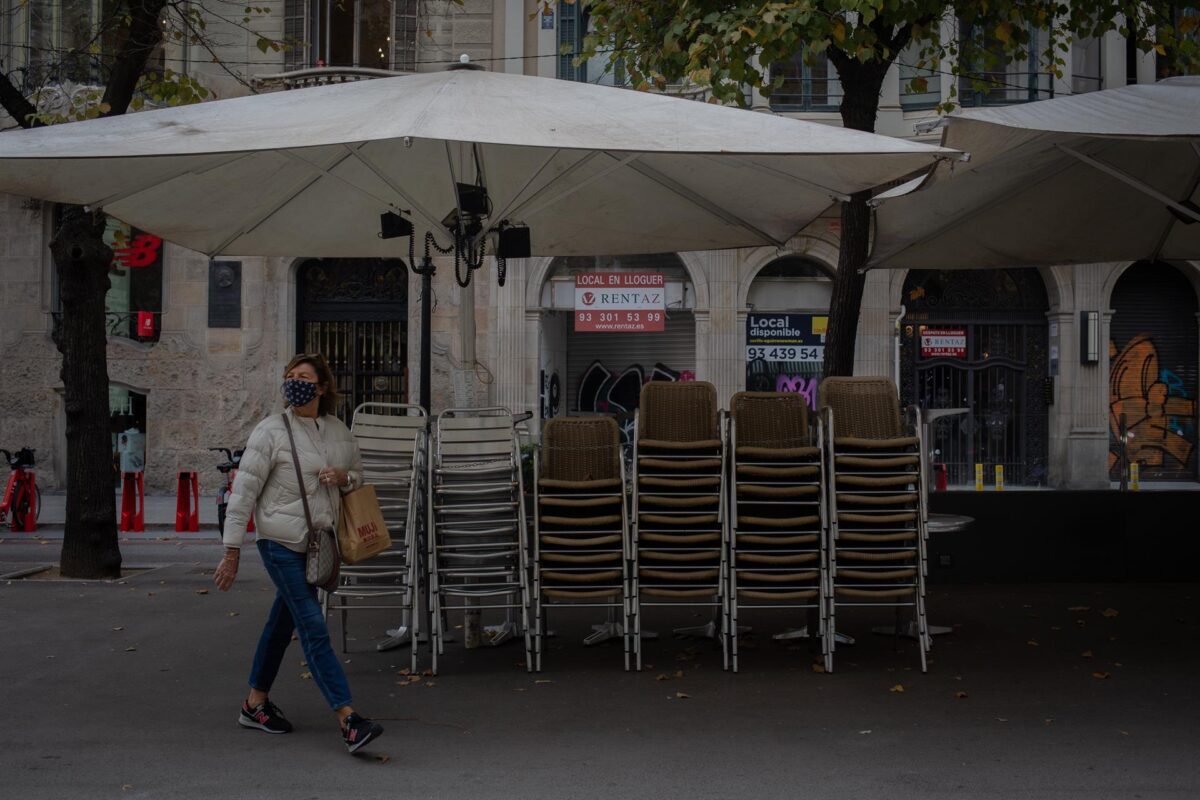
777	544
680	535
581	548
393	440
478	548
877	504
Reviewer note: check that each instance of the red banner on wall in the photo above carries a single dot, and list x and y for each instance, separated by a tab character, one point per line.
625	302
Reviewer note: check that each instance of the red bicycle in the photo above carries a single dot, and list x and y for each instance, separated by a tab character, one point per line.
22	501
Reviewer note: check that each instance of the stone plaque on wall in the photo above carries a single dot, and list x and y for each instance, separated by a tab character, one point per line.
225	294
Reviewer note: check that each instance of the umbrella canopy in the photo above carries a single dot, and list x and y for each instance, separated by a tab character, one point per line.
1103	176
590	169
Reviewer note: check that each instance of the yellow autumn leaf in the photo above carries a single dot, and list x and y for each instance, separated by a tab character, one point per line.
662	676
1110	612
1032	643
1004	32
1158	48
899	687
1086	654
683	695
961	695
1100	675
819	668
838	32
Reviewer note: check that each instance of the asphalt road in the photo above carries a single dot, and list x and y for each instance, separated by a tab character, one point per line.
131	689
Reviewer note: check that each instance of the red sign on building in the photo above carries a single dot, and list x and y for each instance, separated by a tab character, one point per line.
620	302
943	343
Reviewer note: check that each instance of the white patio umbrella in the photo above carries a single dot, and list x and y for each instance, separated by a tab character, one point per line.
590	169
1104	176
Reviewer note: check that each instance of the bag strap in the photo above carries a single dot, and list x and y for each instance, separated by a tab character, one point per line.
287	423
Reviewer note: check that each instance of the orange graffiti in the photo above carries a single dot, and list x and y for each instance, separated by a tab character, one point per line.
1136	391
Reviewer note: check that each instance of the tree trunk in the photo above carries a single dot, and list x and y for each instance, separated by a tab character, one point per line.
90	548
848	283
860	102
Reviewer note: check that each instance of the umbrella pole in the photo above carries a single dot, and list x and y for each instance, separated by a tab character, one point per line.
426	271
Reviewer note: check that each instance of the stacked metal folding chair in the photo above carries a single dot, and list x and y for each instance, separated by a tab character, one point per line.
876	492
581	548
478	546
679	533
393	440
777	542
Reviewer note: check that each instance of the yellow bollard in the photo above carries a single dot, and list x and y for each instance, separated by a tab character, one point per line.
999	477
1134	483
979	477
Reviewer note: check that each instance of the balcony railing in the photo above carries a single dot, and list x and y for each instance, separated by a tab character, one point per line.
1005	88
320	76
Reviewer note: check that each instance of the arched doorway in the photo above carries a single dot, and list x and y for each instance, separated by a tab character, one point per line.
977	339
1153	367
355	312
600	368
787	314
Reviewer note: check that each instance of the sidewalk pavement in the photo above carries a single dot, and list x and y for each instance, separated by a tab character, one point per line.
130	689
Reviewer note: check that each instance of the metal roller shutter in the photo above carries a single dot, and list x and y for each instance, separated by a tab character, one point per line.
1153	372
674	347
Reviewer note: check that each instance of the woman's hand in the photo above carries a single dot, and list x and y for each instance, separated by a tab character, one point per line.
226	571
332	476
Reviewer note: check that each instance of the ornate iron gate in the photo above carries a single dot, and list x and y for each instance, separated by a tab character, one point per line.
355	313
978	340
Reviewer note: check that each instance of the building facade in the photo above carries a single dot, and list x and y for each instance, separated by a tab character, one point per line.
1065	374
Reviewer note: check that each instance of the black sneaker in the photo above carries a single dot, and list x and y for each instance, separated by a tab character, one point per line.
359	731
265	717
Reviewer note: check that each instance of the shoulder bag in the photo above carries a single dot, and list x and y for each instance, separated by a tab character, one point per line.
321	563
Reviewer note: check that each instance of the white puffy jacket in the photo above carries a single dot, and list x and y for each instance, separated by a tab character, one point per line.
266	483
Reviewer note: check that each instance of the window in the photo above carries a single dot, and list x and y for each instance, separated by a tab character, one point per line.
1189	30
1019	81
806	87
912	98
1087	73
380	34
133	304
572	27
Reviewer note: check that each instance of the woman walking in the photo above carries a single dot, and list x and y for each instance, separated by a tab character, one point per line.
267	487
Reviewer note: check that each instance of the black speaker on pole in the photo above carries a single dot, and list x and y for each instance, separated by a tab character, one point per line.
512	241
392	225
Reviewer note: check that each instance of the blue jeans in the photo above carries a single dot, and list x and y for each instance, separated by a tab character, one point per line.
296	609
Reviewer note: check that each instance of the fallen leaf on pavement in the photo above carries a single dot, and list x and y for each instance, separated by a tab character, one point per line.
119	628
1110	612
543	680
1086	654
864	732
429	684
232	614
1080	608
899	687
202	591
125	787
1001	719
1100	675
405	671
818	668
382	758
961	695
130	649
682	695
1032	643
306	675
662	676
